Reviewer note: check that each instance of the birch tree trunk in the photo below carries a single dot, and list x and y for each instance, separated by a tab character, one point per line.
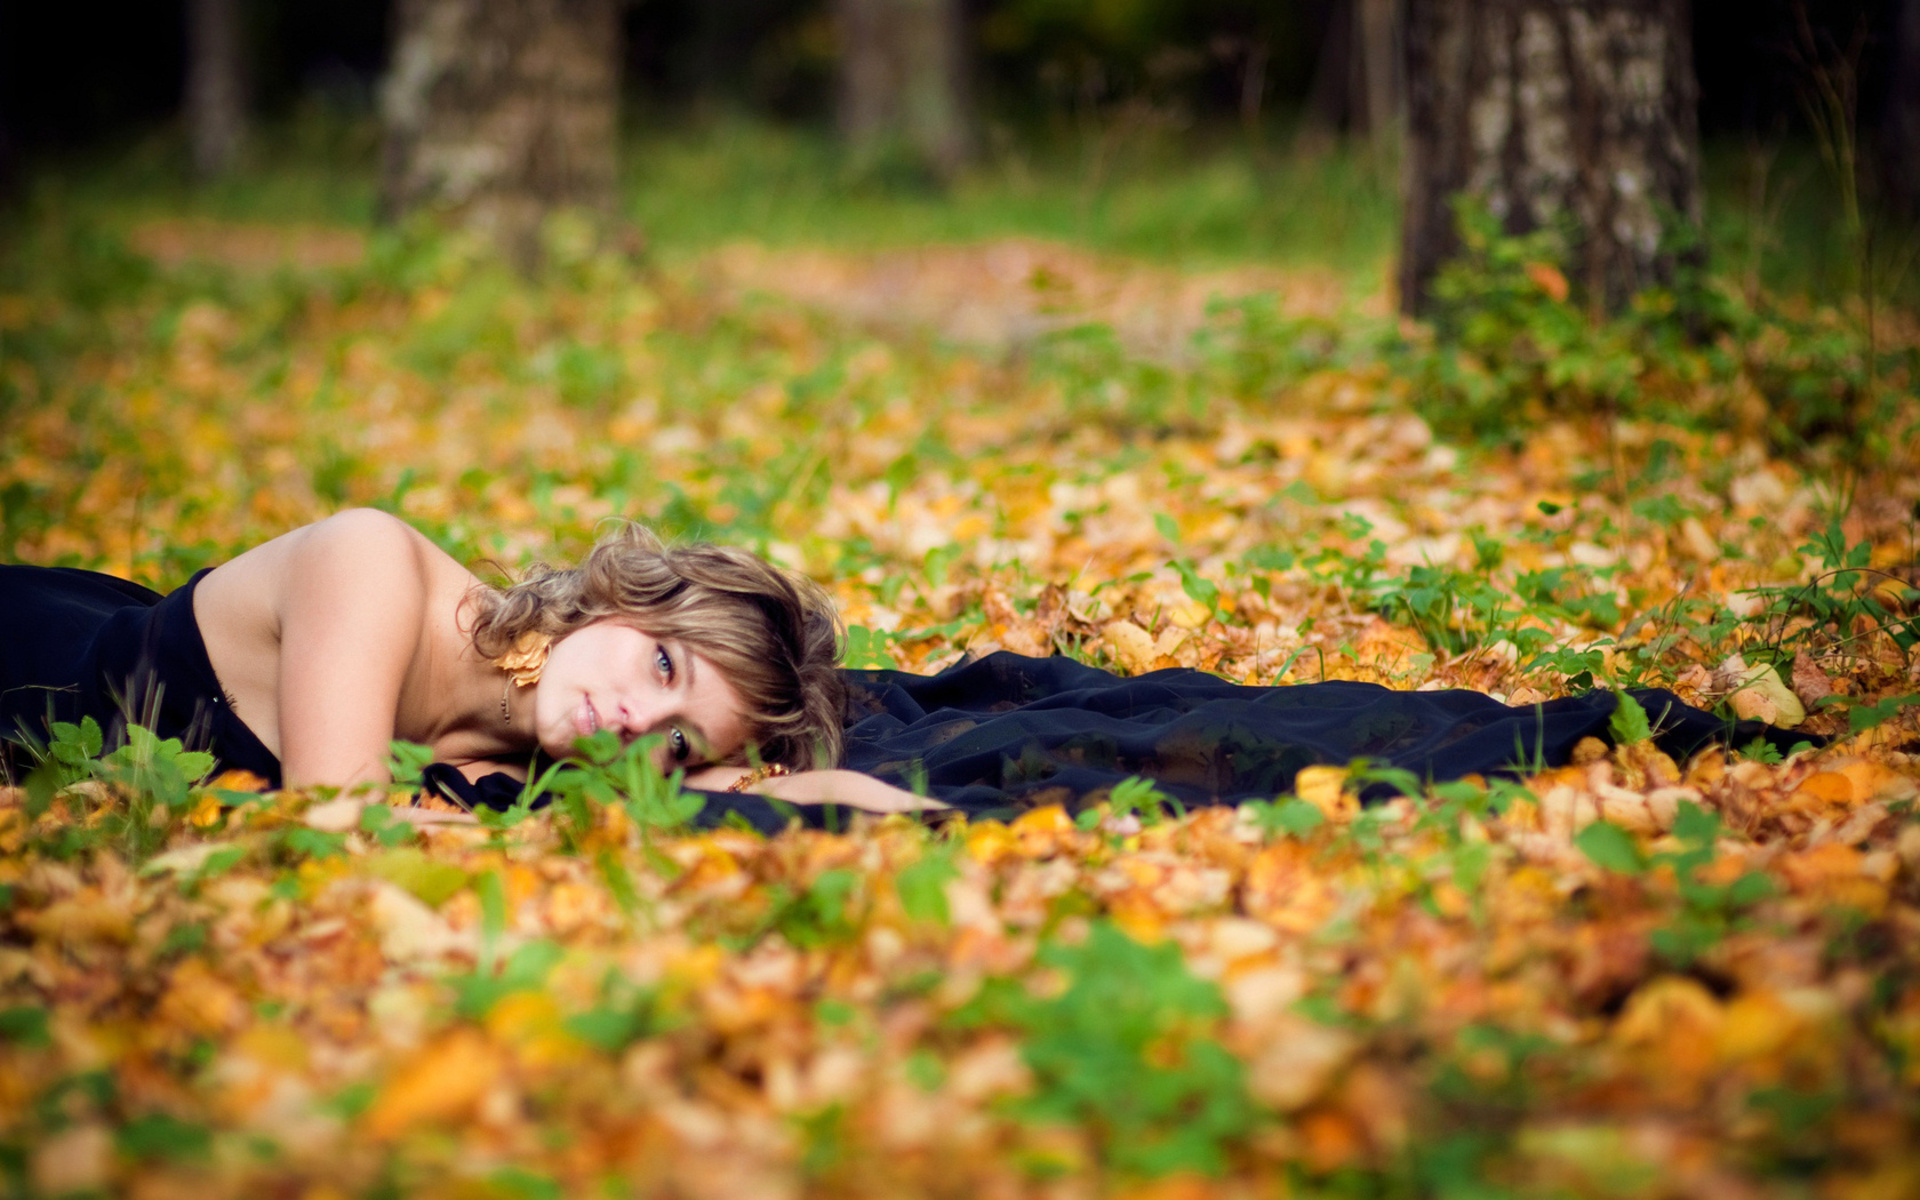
903	82
1553	113
216	106
499	113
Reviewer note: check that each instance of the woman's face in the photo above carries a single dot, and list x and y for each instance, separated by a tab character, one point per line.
609	675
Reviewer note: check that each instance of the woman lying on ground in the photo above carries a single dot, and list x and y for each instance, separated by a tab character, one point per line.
302	659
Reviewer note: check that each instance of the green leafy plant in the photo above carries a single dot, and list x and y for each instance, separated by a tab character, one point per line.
605	771
1142	796
922	886
1512	345
1628	724
1708	911
824	913
149	779
624	1014
1862	717
1841	599
1510	341
866	649
1288	815
524	970
1125	1049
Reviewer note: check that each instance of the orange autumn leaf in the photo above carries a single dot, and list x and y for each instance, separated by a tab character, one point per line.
1549	279
443	1081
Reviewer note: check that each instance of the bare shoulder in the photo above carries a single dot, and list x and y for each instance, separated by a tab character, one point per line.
366	537
362	548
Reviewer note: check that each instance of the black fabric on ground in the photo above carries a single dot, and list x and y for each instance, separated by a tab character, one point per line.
1006	731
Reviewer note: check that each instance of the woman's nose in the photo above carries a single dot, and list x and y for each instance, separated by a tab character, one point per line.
638	715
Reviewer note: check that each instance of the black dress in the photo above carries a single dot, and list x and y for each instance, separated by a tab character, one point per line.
1007	730
79	644
989	736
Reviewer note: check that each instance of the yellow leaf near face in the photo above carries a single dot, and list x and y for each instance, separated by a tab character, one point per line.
989	842
1324	788
205	813
444	1081
238	781
1043	832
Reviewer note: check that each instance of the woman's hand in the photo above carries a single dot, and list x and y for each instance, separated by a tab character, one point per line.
820	787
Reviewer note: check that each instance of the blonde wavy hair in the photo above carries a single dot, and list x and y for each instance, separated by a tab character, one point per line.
774	635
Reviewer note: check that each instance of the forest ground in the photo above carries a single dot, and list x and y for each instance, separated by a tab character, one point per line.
1099	418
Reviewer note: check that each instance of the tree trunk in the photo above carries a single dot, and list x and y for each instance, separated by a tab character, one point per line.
1578	116
1379	65
1356	81
216	106
1330	105
499	113
903	83
1900	130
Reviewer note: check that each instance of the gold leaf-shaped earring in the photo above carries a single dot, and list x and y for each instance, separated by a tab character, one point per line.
528	657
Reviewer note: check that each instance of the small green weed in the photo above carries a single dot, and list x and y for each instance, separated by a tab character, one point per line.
1126	1050
922	886
1843	600
606	772
149	778
825	913
1708	911
526	969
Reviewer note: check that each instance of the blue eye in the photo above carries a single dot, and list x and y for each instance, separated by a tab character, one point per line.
677	744
664	662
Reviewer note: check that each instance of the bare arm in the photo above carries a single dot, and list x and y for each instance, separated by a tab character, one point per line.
314	636
821	787
351	617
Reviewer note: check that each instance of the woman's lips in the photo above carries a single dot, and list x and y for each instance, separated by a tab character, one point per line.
585	718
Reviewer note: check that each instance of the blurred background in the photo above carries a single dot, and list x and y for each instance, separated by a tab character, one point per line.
1053	117
944	290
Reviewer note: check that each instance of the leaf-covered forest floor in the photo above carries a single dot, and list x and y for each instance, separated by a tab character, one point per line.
1627	976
